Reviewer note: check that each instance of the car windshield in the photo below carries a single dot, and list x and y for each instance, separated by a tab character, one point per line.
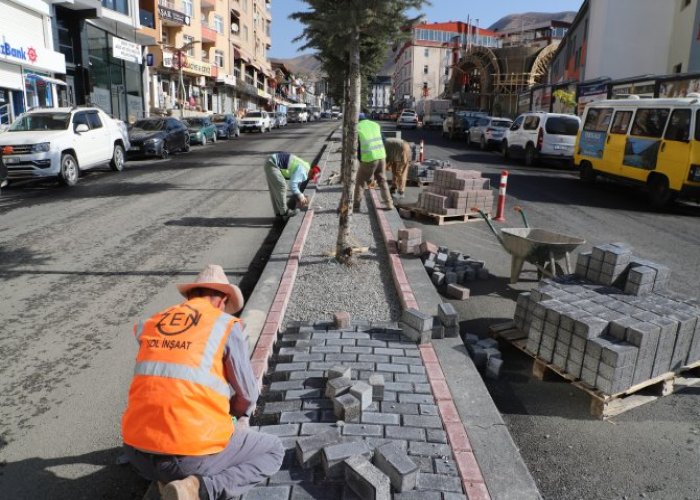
194	122
41	121
149	124
254	114
218	118
562	125
501	123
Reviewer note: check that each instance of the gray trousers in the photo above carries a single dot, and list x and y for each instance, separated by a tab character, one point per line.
277	186
365	173
249	458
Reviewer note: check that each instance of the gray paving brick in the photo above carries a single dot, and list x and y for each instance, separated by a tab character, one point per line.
291	351
418	495
290	367
311	428
332	456
347	408
388	351
346	356
317	404
354	335
366	480
303	357
286	385
439	482
446	495
322	365
281	430
276	407
445	466
303	394
305	375
422	389
428	409
401	470
436	436
308	449
402	408
408	397
416	369
288	417
375	442
392	368
339	371
373	358
363	392
410	377
399	386
326	349
337	386
377	344
407	433
417	319
377	382
325	335
426	421
357	350
389	396
294	475
405	360
369	430
268	493
425	464
380	418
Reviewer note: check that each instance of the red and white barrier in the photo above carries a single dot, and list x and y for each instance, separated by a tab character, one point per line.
501	209
421	156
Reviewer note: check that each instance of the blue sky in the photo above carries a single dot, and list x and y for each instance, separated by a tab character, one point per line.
487	12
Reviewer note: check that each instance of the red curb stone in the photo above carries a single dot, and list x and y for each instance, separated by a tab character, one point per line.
260	354
277	305
448	411
428	353
434	371
468	467
259	369
457	436
440	389
269	329
274	317
411	304
266	341
476	490
406	288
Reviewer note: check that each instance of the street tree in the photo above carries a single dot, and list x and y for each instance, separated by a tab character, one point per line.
351	38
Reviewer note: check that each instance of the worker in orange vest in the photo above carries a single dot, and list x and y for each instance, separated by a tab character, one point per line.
192	375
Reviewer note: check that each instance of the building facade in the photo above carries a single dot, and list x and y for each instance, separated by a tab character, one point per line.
424	64
379	99
684	53
29	64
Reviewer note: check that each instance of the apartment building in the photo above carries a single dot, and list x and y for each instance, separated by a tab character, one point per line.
424	63
28	62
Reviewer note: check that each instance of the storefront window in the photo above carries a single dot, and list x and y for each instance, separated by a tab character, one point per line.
121	6
38	91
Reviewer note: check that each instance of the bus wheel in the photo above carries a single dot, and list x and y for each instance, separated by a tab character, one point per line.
660	193
587	173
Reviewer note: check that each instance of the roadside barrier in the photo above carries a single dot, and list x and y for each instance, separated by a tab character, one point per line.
501	209
421	155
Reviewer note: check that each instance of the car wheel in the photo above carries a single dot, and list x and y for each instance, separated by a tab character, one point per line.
482	144
117	163
204	140
468	138
214	139
504	150
530	155
660	193
587	174
228	135
238	132
69	170
164	153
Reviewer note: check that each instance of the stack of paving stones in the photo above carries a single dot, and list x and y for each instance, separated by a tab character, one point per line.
485	354
410	241
613	324
386	439
422	328
456	192
424	172
451	272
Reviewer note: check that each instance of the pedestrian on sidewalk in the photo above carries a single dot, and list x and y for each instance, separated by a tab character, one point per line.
280	168
372	162
192	375
398	157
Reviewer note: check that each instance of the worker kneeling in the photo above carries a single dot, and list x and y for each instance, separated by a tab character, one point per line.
280	168
192	375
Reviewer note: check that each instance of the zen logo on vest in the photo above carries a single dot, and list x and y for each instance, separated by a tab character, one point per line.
178	322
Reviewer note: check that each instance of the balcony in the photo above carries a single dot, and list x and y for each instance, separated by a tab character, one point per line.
208	4
208	34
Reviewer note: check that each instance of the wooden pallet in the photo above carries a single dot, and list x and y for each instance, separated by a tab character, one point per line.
442	220
418	182
603	406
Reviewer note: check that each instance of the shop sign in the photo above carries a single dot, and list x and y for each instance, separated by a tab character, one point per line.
18	52
590	93
679	88
174	16
126	51
180	59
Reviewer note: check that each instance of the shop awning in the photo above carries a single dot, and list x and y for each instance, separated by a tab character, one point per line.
46	79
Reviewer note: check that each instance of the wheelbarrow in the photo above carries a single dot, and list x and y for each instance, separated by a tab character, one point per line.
542	248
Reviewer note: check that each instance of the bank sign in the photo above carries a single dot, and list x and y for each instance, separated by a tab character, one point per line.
17	52
30	56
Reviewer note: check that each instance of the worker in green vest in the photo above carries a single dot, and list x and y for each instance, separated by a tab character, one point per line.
280	168
372	162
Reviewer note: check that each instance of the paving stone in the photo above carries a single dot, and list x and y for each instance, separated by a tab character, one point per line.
395	463
337	386
399	386
268	493
405	360
311	491
366	480
436	436
439	482
418	495
311	428
339	371
417	319
357	350
309	374
447	314
302	357
363	392
347	408
332	456
426	421
294	475
425	464
341	320
377	383
290	367
392	368
308	449
403	408
380	418
377	344
363	430
346	357
317	404
428	409
303	394
325	335
288	417
407	433
389	351
281	430
285	385
453	496
445	466
422	388
277	407
411	377
415	398
374	358
418	370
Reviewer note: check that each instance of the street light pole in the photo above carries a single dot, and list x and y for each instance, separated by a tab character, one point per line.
179	53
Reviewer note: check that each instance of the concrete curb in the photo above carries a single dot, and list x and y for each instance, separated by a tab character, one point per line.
489	463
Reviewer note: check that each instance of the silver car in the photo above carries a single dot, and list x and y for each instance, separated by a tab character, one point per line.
488	132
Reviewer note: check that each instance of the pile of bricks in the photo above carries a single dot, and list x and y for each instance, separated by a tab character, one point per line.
450	272
485	354
391	444
610	339
456	192
410	241
421	327
425	172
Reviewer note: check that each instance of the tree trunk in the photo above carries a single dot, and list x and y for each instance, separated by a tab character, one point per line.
343	249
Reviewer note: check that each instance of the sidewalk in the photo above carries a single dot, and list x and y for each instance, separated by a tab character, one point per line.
418	412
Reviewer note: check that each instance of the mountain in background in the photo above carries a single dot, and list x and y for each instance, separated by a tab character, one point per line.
308	64
518	21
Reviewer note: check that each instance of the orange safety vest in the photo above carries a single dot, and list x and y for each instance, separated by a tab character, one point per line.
179	397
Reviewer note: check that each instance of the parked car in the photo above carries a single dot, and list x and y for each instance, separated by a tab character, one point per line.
488	132
407	119
3	172
256	120
201	130
297	113
326	115
60	143
226	126
158	137
456	123
536	135
281	119
433	121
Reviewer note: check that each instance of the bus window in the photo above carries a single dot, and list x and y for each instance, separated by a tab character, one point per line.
650	122
621	122
679	126
598	119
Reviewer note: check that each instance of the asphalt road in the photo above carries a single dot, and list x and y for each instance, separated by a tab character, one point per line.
649	452
79	265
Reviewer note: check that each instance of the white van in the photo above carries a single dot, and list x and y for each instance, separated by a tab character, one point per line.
539	135
297	113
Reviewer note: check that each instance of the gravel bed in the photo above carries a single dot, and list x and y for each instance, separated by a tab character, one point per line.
366	289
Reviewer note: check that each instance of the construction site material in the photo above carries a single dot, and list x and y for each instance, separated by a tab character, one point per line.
449	270
410	241
456	192
423	173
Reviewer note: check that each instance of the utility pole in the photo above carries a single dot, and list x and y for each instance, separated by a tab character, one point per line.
180	52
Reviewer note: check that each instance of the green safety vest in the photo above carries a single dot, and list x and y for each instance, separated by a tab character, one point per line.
294	163
371	145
